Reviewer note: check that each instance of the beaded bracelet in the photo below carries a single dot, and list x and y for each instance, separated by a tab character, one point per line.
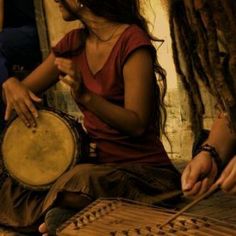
213	153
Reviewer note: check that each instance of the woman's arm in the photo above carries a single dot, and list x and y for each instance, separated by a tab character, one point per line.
20	95
45	75
133	118
138	81
1	14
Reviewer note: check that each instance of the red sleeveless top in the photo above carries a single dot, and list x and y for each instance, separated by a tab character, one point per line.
112	145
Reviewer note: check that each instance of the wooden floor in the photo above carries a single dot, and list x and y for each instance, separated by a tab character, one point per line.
219	206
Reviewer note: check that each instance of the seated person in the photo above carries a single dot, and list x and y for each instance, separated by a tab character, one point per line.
111	66
218	151
18	40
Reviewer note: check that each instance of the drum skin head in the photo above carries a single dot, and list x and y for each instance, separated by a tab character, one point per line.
36	157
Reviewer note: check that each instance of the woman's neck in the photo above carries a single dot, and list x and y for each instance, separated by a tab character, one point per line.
100	29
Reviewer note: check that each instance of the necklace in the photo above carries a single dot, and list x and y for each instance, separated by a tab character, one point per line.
109	38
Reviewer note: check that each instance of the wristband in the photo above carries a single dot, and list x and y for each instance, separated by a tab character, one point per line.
213	153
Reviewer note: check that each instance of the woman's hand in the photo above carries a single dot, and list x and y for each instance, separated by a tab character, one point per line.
198	175
19	98
227	179
73	77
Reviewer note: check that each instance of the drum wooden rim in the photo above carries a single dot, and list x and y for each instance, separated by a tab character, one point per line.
49	157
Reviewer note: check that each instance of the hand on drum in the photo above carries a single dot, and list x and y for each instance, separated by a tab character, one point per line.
198	175
19	98
72	78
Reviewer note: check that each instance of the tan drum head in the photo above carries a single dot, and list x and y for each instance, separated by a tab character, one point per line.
36	157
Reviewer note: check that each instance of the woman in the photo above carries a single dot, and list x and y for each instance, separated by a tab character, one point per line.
110	65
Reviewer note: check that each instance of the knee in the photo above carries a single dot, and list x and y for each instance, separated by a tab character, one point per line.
2	55
85	169
7	48
73	200
3	44
3	51
90	172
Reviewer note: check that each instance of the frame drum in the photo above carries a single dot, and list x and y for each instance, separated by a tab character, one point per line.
37	156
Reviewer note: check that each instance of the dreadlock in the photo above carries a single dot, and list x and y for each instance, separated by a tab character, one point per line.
203	33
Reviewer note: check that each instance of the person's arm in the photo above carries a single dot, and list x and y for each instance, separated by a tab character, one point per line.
133	118
1	14
222	137
45	75
201	172
20	95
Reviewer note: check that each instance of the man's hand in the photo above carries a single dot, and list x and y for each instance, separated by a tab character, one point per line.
19	98
198	175
227	179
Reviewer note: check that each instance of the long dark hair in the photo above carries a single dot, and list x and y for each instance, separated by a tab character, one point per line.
129	12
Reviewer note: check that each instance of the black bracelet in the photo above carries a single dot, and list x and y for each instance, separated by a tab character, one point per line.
213	153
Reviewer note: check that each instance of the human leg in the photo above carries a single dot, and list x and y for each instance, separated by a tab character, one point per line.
67	204
3	66
20	208
137	182
17	46
54	218
20	46
141	182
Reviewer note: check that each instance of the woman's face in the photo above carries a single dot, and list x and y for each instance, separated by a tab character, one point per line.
73	5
